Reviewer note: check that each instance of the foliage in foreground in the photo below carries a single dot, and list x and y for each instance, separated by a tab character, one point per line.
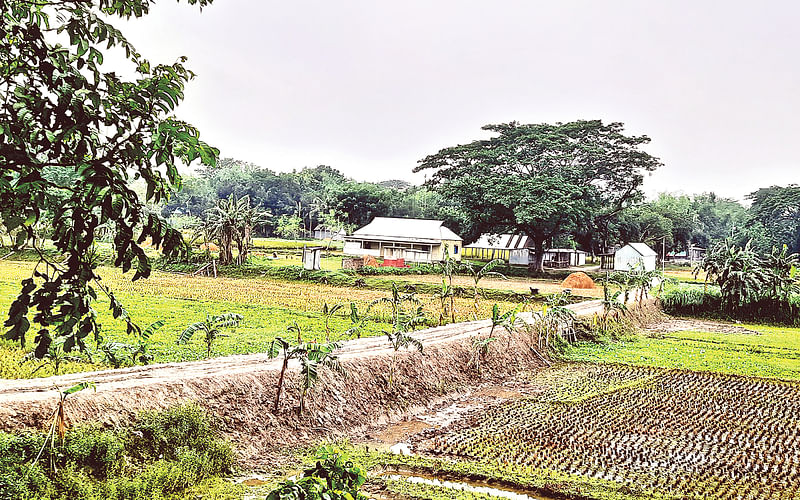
73	138
159	455
332	477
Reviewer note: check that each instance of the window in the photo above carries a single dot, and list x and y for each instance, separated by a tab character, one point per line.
455	250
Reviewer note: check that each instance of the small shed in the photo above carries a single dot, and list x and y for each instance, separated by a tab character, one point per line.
312	257
323	232
557	258
564	257
635	255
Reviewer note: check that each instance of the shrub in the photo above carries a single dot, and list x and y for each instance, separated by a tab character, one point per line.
693	301
99	450
168	434
159	455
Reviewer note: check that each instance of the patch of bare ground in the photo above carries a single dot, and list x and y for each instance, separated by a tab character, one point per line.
669	324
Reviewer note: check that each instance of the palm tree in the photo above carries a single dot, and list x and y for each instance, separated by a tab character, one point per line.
211	327
232	221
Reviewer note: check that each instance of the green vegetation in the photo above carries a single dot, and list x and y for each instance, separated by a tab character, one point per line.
65	176
334	476
160	455
172	301
769	352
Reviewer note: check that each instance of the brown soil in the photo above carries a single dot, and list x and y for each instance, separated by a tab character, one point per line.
668	324
239	390
578	280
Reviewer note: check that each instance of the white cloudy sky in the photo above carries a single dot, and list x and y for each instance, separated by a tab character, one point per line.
370	87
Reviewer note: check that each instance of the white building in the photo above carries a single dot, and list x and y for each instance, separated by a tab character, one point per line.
415	240
553	257
635	254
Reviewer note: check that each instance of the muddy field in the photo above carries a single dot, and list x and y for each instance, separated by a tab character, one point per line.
652	432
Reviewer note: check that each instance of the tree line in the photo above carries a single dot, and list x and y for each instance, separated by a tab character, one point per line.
292	204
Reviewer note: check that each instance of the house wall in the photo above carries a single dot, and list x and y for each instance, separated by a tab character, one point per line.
520	257
626	258
486	253
438	251
355	248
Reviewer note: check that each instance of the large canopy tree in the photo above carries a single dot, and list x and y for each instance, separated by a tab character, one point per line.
775	217
541	180
60	109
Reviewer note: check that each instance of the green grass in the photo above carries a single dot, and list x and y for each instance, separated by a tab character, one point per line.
774	353
160	455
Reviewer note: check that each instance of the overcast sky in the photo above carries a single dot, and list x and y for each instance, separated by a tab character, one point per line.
372	87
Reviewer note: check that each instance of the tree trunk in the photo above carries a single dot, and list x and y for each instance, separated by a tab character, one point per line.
280	384
538	256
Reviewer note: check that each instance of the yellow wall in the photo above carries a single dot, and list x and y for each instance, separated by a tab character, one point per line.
438	252
486	253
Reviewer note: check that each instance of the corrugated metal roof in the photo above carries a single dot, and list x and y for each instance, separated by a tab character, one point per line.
393	228
643	249
500	241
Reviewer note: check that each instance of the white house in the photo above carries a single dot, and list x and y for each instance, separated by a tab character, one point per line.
633	255
415	240
553	257
323	232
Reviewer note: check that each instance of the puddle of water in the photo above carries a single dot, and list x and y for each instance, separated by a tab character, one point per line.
471	486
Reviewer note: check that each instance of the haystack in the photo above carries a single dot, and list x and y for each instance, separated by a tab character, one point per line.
578	280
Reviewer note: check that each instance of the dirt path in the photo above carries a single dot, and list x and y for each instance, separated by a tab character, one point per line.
12	391
520	285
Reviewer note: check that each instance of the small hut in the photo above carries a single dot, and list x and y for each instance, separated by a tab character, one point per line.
635	255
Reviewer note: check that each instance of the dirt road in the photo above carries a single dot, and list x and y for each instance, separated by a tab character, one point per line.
240	390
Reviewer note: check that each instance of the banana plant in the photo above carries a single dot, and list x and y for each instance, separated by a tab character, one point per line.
312	357
55	356
450	268
142	352
396	301
400	340
480	348
59	423
443	294
357	321
327	313
211	328
505	320
478	273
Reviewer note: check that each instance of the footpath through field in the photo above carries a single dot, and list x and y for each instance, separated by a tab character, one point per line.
20	398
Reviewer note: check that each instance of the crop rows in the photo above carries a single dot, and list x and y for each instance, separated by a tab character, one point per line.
677	433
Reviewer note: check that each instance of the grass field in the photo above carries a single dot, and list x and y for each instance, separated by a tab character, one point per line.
269	306
772	352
